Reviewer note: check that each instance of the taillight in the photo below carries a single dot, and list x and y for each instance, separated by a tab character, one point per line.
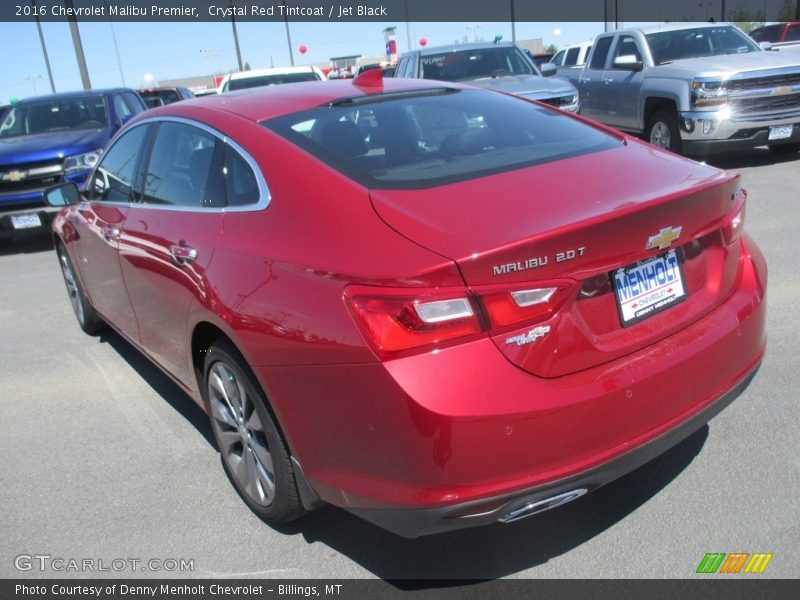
512	308
397	321
735	224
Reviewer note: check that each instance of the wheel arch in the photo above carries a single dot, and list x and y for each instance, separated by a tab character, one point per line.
204	335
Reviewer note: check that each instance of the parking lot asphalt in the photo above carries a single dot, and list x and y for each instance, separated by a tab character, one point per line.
105	458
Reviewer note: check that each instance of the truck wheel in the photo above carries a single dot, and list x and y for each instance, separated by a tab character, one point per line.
662	131
785	148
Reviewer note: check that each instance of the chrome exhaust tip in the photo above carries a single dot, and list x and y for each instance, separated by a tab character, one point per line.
532	508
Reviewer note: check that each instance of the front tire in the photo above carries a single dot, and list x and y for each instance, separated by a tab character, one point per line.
662	131
252	449
88	318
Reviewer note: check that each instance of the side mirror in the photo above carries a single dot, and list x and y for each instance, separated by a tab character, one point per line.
765	46
628	62
63	194
548	69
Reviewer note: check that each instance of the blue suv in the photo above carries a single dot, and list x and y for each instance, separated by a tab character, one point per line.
47	140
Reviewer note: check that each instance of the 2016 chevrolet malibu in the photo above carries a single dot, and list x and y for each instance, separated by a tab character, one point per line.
432	305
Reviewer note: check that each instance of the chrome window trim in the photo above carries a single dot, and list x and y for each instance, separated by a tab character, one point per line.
264	196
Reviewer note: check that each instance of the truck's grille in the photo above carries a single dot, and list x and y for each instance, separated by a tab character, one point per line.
767	104
19	178
741	85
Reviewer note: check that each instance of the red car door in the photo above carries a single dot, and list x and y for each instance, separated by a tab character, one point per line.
170	235
99	222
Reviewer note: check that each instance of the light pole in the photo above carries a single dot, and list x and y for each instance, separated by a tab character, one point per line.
116	47
32	79
208	53
235	36
44	48
76	42
288	37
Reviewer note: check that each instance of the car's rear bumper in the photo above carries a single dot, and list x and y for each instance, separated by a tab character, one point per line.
413	523
421	444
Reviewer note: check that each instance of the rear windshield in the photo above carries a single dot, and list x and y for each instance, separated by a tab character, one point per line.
264	80
468	65
166	96
432	137
87	112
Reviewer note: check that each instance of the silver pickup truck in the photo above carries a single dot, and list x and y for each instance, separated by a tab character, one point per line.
693	88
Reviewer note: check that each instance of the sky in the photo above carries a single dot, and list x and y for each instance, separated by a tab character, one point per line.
176	50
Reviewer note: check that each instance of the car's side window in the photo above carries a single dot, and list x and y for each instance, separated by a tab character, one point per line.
602	46
627	46
134	102
558	59
121	107
115	176
186	168
792	34
242	185
572	57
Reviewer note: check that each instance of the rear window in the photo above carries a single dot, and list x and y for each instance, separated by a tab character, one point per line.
432	137
468	65
264	80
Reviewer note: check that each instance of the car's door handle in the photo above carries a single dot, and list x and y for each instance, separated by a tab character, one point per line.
183	253
110	233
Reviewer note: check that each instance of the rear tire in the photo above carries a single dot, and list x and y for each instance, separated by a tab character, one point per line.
662	131
782	149
87	317
251	447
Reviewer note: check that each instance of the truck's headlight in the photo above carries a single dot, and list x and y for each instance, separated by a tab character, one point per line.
708	93
80	162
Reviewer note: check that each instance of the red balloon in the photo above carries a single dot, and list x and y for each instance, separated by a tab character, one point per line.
423	41
303	48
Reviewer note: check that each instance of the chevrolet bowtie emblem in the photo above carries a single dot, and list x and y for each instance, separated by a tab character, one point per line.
14	176
664	238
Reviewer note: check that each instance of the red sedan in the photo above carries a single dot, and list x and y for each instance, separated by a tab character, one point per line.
431	305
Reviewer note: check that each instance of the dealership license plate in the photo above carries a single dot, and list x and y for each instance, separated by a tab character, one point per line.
648	287
25	221
780	133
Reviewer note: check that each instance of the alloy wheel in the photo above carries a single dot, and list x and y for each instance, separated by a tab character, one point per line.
241	435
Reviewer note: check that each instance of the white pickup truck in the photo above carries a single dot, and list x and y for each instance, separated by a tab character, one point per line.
693	88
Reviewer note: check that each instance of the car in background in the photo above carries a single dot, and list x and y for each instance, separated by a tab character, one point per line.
244	80
45	140
777	33
779	36
693	88
396	296
498	66
569	61
164	95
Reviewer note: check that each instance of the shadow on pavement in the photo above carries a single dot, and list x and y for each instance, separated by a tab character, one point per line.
161	384
29	244
497	550
755	157
478	554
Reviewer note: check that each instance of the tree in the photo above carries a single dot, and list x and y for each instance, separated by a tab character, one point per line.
746	20
246	66
551	49
790	11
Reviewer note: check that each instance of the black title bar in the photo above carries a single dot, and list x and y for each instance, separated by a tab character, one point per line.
501	11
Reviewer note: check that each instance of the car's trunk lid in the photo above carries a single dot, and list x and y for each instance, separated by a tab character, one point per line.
580	219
